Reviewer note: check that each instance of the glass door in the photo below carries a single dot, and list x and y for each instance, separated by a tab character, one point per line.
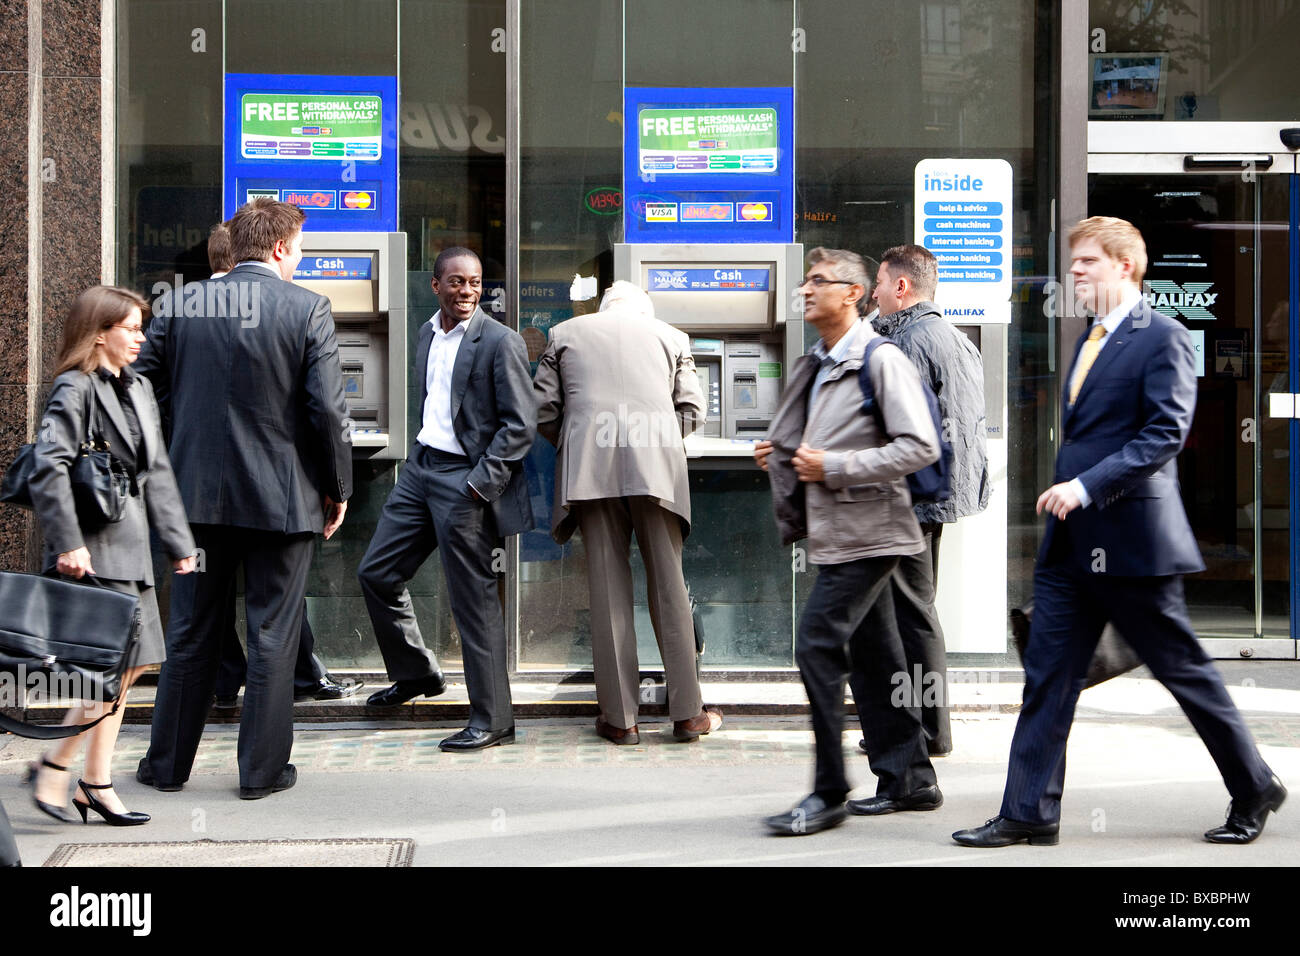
1220	233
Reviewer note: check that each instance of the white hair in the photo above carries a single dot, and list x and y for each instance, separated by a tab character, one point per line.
632	296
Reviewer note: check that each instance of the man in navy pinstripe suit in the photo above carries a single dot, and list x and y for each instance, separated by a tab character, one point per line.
1116	547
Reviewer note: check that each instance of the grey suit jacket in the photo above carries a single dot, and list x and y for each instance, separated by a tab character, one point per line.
120	550
492	413
617	392
248	369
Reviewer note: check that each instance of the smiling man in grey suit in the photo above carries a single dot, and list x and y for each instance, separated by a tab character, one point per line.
249	367
617	392
462	490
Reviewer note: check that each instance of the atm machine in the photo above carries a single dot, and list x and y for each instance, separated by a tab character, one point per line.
363	274
737	303
972	597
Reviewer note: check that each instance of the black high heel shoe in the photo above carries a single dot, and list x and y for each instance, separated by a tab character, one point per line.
131	818
59	813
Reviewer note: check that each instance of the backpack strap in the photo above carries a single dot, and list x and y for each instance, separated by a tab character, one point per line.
869	404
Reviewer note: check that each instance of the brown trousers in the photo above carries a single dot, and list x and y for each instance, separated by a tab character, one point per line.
607	526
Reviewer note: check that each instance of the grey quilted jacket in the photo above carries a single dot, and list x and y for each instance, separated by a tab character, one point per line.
950	363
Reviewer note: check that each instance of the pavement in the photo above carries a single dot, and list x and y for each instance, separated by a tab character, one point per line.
1139	792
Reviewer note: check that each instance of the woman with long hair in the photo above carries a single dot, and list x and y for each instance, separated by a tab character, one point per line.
96	391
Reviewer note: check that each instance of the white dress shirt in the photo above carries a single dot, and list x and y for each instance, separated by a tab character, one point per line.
437	431
1111	322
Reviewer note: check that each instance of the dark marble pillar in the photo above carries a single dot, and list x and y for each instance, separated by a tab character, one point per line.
71	184
64	74
16	386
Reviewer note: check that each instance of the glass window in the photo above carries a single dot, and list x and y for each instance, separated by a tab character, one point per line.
871	104
1214	60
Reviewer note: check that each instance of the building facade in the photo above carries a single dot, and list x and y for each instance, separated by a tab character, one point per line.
510	140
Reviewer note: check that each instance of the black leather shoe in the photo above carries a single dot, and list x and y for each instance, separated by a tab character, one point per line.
1003	832
331	688
288	777
813	813
144	773
223	702
33	772
927	798
403	690
472	738
1246	819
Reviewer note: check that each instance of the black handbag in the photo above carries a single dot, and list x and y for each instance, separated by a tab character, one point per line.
14	489
100	483
1112	657
71	639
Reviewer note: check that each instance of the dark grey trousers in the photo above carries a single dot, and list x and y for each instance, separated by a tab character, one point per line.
914	584
275	583
848	631
430	507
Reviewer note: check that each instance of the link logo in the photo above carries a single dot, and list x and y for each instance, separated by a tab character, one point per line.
1192	300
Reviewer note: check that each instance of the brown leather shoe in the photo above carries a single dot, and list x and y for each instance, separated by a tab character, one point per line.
706	721
617	735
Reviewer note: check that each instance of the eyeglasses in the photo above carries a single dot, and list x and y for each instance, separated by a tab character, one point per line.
818	281
133	329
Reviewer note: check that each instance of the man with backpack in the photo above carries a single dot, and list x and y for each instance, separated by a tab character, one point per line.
950	364
838	476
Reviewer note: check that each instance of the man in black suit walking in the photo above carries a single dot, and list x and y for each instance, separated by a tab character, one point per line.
1116	547
461	490
262	456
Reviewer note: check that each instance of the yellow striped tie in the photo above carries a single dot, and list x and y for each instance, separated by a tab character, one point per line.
1087	356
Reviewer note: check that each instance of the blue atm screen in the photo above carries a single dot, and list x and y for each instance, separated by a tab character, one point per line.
335	267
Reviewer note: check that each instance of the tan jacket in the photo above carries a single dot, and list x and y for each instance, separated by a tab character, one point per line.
616	393
863	508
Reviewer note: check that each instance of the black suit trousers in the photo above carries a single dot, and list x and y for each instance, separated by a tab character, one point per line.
430	508
848	631
913	586
202	609
307	668
1071	607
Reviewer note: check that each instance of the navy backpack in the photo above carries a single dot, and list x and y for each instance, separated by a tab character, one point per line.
934	481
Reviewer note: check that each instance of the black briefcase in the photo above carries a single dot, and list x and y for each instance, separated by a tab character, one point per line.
71	639
1112	657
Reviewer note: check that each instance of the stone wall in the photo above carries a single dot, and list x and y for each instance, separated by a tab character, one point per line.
50	221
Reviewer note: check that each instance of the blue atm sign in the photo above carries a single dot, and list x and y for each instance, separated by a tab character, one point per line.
708	164
709	280
326	144
334	267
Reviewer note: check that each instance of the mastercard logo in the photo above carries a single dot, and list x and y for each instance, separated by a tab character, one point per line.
756	211
358	200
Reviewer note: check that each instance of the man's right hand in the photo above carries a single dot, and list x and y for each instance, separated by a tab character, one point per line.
761	451
334	511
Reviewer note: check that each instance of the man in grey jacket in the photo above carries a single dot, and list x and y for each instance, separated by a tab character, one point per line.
838	479
951	365
617	392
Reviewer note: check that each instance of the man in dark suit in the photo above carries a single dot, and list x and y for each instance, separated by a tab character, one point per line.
262	455
1116	547
311	681
461	490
